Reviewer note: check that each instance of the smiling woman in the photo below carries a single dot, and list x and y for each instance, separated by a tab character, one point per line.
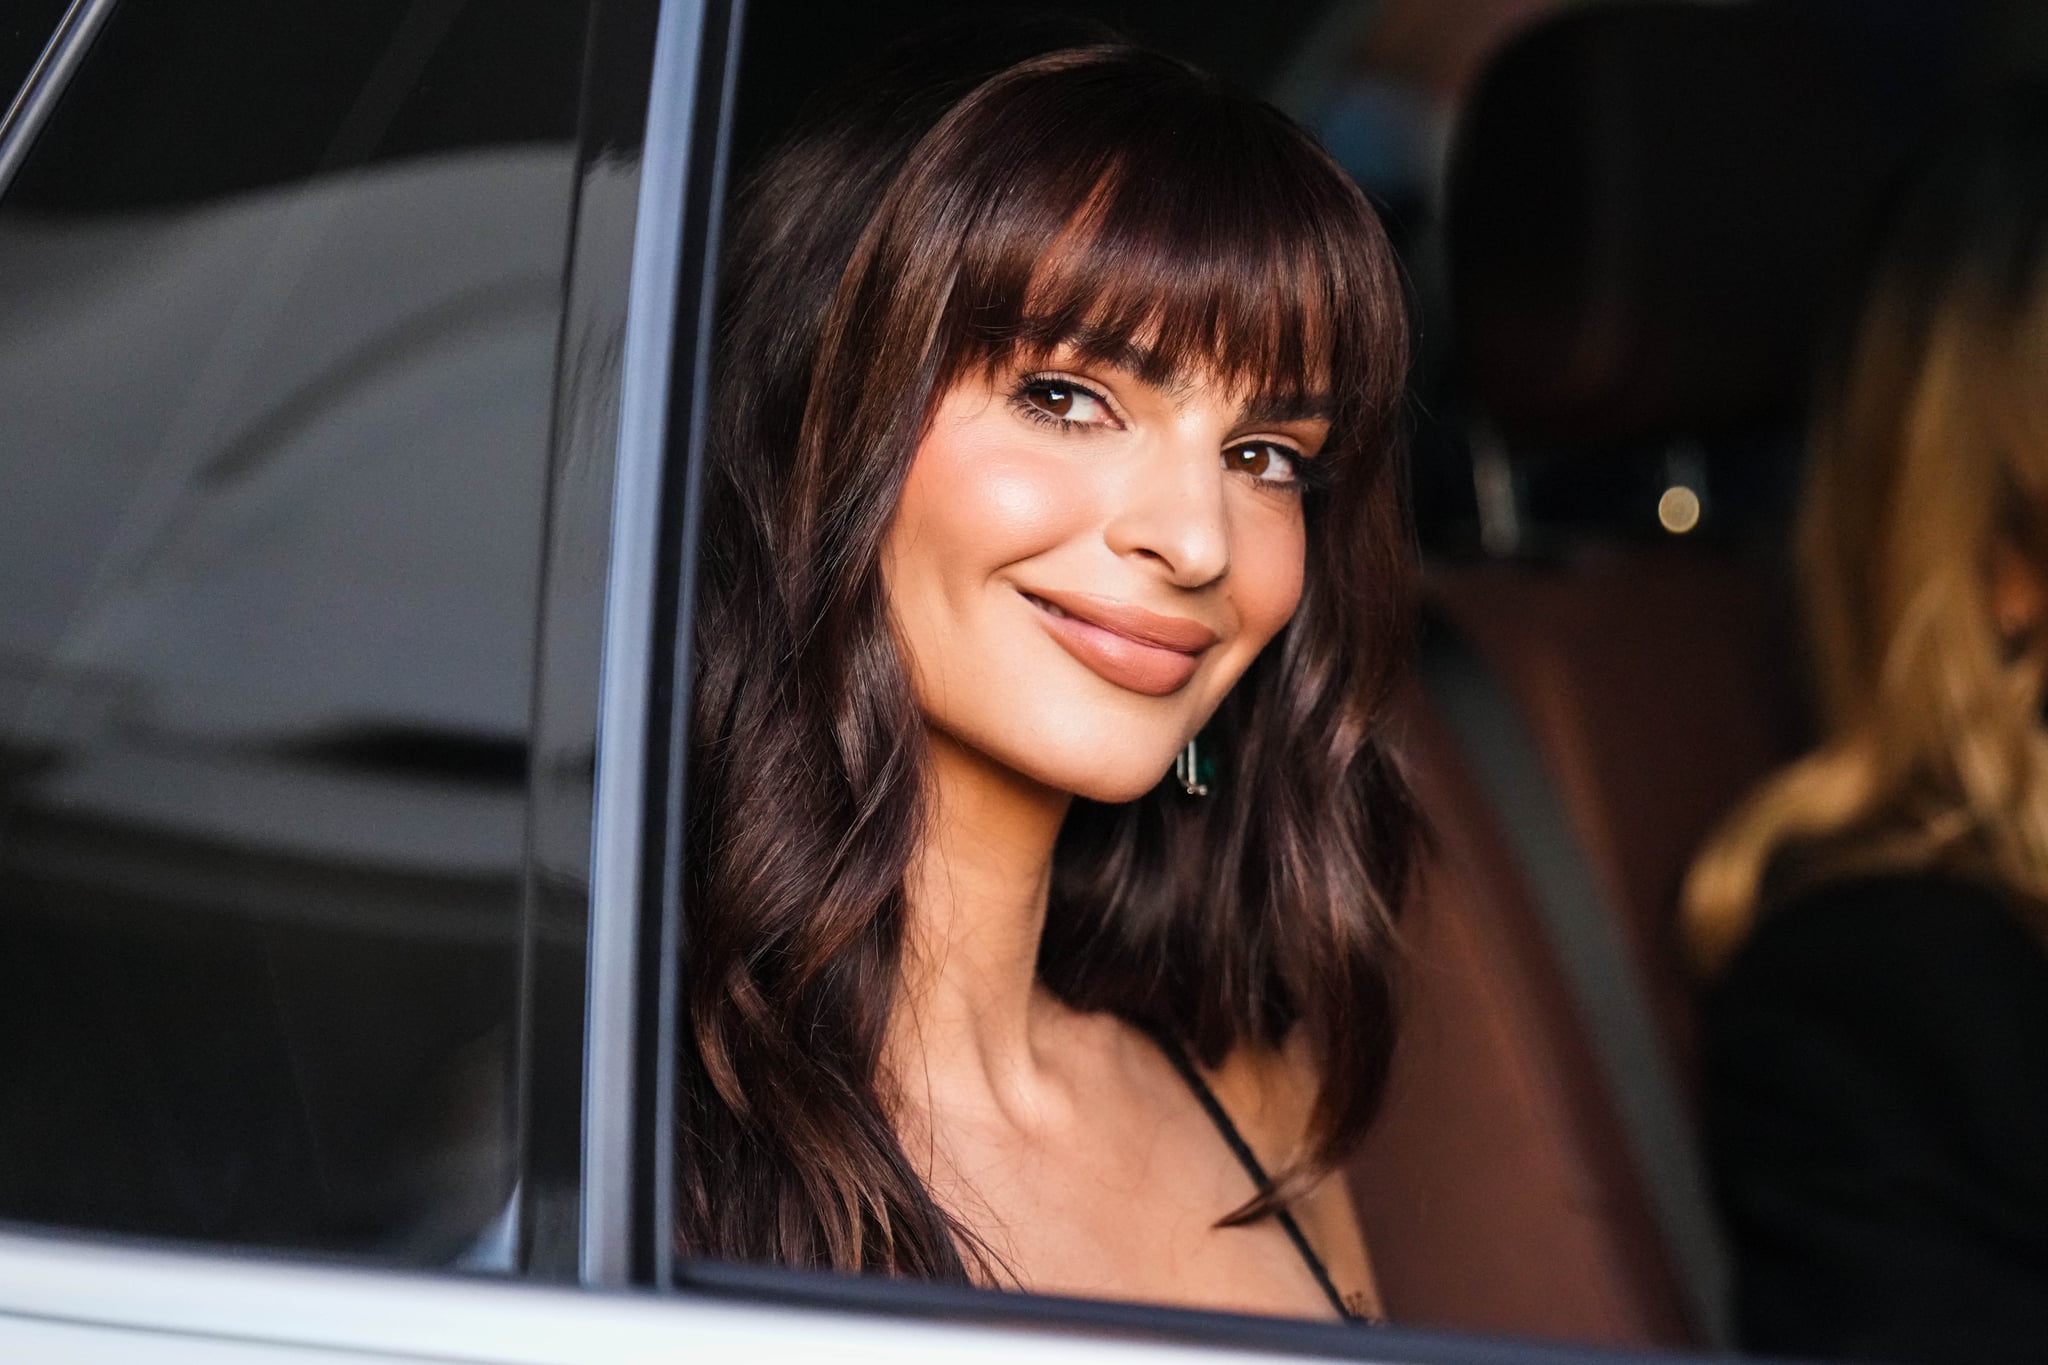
1056	434
1122	521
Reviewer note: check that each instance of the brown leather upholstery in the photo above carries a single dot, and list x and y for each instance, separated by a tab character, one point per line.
1500	1191
1497	1191
1643	204
1659	685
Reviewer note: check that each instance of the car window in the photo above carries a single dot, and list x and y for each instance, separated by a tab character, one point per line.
24	32
1474	1125
280	291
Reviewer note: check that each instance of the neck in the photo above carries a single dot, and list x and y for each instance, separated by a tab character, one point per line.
976	891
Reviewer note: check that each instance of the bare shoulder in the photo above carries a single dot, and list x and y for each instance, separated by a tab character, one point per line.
1270	1093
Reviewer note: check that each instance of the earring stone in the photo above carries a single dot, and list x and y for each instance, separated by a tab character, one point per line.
1193	771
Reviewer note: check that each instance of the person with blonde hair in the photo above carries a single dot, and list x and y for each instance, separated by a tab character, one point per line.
1876	916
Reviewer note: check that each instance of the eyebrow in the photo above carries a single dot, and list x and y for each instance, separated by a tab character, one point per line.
1286	407
1118	353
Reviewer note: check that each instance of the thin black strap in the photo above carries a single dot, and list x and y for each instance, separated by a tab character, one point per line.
1250	1161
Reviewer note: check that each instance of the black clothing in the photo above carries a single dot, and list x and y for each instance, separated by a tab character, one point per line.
1876	1094
1248	1159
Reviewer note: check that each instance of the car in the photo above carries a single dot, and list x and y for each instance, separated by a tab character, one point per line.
353	365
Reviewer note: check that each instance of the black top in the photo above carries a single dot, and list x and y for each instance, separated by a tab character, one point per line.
1876	1090
1260	1180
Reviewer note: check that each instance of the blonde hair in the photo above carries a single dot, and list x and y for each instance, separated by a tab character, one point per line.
1930	462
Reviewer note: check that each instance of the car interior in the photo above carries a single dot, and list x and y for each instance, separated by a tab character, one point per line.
1628	228
1649	210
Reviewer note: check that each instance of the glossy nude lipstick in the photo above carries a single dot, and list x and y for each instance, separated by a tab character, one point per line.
1126	645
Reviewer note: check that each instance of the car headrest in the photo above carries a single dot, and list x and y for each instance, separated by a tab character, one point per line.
1651	207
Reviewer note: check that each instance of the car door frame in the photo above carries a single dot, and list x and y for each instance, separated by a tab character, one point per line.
603	887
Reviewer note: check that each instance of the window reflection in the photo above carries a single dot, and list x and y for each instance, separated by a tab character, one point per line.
274	418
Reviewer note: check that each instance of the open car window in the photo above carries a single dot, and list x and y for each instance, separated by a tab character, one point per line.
1605	672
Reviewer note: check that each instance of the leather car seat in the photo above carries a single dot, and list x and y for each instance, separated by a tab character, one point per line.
1497	1189
1650	209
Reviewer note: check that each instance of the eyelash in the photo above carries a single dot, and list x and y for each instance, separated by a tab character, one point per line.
1309	474
1020	399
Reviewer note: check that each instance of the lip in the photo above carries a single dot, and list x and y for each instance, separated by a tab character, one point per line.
1139	650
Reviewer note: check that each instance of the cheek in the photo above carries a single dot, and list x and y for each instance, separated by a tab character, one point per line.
974	503
1268	564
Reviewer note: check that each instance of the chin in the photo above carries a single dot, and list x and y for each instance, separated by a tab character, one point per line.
1113	792
1092	777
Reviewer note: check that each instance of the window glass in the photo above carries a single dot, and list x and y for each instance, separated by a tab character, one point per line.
279	295
24	31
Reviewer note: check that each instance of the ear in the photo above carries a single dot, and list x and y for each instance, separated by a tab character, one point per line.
2019	596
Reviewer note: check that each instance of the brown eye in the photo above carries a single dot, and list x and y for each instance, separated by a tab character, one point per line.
1056	399
1050	399
1262	460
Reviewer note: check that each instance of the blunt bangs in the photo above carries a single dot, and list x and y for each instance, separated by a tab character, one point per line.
1146	216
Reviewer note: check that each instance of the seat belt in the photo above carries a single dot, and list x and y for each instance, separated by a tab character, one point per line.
1584	933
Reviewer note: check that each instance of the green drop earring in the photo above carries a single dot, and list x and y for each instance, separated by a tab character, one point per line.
1195	770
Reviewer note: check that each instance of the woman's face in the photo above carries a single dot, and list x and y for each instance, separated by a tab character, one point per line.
1084	563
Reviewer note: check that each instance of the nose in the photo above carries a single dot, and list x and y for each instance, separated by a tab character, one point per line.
1171	509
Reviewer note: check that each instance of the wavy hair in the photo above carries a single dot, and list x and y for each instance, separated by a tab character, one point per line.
1121	202
1931	460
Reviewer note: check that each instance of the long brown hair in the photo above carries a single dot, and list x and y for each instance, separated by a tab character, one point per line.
1930	459
1116	200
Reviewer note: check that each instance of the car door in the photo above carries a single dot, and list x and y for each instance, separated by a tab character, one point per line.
351	368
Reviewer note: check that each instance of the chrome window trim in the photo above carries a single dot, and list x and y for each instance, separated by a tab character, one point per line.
618	872
698	297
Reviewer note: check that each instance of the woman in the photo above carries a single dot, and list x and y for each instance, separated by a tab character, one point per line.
1056	444
1877	1044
